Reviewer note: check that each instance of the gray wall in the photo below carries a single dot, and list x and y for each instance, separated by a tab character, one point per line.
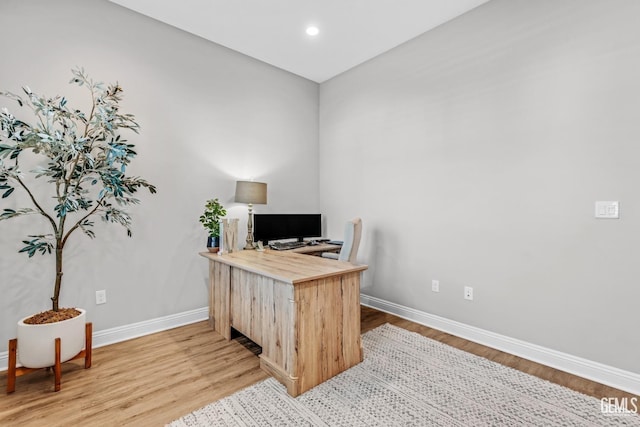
474	154
209	116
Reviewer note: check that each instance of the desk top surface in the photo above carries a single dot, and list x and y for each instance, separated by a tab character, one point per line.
286	266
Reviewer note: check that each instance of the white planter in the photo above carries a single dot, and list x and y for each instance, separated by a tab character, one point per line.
36	343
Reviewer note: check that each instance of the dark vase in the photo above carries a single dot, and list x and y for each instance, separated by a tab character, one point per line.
213	244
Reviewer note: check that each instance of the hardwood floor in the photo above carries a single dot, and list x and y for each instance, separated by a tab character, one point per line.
155	379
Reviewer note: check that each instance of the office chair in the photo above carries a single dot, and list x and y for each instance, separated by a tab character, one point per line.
349	250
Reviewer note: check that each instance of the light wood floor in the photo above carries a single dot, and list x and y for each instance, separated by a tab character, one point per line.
153	380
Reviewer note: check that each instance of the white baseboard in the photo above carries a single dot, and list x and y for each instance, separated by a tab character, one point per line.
604	374
135	330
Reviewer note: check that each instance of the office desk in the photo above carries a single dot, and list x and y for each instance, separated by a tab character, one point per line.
304	311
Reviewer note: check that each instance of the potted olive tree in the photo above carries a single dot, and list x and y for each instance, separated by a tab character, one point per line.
210	219
82	169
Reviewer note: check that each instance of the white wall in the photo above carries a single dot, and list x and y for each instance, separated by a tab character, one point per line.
209	116
474	154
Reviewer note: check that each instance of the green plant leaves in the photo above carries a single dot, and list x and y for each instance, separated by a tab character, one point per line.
38	244
210	219
11	213
85	159
8	192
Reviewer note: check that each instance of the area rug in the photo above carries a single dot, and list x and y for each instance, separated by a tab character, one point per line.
409	380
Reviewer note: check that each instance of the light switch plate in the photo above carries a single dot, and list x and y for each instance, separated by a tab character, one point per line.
607	209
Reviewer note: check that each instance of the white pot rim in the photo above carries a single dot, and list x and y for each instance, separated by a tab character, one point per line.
21	321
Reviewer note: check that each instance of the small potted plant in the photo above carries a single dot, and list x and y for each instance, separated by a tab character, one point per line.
210	219
82	164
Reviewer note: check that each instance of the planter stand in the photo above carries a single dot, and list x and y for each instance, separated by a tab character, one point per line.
14	371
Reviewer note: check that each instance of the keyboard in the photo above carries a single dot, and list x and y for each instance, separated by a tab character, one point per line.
283	246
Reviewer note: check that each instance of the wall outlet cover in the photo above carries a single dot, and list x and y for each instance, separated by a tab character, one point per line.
101	297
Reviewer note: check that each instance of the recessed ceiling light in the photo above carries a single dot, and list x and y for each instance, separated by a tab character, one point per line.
312	31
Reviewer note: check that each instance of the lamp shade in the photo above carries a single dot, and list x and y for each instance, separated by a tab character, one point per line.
251	192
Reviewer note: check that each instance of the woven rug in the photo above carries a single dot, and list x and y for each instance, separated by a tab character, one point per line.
409	380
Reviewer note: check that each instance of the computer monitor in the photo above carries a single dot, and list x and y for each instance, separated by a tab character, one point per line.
268	227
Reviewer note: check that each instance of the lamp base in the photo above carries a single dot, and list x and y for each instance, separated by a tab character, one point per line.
250	245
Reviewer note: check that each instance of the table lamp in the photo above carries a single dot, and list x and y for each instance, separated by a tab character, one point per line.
251	192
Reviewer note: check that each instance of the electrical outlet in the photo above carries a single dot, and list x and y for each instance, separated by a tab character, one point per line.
468	292
101	297
435	285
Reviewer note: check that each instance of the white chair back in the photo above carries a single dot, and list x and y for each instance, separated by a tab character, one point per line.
352	234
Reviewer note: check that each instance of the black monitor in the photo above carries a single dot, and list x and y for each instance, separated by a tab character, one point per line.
267	227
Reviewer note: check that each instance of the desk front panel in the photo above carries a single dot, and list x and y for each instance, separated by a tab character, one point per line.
263	310
309	329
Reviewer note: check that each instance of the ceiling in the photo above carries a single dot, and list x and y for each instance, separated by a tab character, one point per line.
273	31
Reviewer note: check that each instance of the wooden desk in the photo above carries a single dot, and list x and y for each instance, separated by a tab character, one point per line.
303	311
